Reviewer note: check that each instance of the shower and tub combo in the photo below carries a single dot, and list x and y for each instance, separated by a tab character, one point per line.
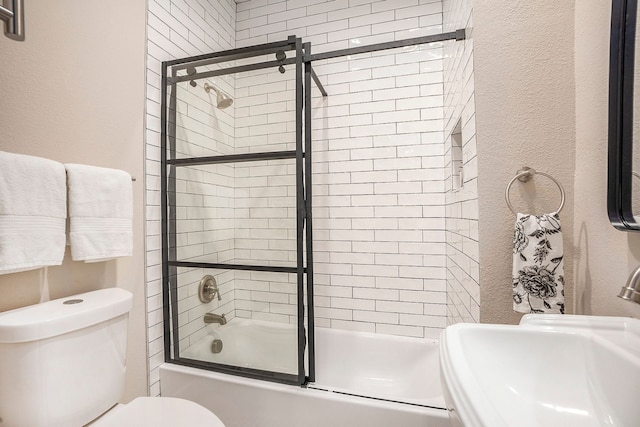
361	379
243	318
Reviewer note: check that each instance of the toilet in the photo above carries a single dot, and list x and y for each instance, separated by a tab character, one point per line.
63	362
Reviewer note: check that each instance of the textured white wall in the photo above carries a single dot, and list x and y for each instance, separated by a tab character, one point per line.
73	91
544	101
604	256
525	114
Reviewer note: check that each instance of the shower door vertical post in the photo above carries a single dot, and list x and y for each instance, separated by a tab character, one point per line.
163	208
168	207
300	212
311	377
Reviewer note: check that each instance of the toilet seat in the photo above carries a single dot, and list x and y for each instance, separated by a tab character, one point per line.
160	412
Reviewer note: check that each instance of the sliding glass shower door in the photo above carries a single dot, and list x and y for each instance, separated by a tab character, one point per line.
236	206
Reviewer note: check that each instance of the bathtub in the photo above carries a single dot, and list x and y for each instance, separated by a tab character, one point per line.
251	344
362	379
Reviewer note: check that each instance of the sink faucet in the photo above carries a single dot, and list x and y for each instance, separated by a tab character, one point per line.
215	318
631	291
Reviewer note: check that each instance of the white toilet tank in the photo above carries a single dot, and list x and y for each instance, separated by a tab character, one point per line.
62	363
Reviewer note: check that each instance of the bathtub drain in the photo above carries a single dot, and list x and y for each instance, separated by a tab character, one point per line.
216	346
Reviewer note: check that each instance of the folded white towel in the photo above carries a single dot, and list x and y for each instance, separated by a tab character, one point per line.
538	265
100	213
33	211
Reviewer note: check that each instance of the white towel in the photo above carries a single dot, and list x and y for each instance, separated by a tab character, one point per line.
33	211
100	213
538	266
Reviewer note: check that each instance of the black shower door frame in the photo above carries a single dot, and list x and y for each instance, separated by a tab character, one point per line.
302	156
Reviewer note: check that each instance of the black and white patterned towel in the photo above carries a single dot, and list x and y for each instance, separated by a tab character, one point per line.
538	266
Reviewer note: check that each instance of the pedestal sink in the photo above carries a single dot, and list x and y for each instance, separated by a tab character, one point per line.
548	371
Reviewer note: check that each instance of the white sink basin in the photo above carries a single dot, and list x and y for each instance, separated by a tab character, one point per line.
548	371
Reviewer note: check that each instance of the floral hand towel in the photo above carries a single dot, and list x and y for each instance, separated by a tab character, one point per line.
538	266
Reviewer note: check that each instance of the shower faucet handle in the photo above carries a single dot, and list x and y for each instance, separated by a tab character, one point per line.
208	289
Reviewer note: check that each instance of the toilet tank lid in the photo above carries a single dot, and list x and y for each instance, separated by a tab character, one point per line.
63	315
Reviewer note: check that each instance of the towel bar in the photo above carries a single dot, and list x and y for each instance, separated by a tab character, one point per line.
524	175
133	178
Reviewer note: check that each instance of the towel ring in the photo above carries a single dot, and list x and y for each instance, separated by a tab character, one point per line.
524	175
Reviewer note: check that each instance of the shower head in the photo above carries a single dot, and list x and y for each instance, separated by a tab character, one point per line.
222	99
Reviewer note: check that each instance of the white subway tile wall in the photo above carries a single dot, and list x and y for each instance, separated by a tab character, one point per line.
390	237
178	29
265	191
463	268
379	162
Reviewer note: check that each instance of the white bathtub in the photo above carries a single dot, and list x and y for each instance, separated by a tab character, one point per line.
251	344
380	366
362	379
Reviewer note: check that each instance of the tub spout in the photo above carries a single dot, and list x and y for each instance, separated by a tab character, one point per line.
631	291
215	318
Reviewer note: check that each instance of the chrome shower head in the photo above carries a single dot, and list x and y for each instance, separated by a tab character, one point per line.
222	99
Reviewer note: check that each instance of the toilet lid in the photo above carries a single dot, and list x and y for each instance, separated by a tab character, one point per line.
161	412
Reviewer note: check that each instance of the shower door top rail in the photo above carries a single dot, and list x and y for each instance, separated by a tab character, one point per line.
231	70
232	54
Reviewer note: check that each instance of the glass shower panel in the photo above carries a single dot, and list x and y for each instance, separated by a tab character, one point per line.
202	129
237	213
253	326
234	213
242	112
266	109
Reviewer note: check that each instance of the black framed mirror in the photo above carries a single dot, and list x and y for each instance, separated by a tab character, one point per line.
623	192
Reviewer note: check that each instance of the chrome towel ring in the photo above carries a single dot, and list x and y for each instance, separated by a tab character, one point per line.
524	175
